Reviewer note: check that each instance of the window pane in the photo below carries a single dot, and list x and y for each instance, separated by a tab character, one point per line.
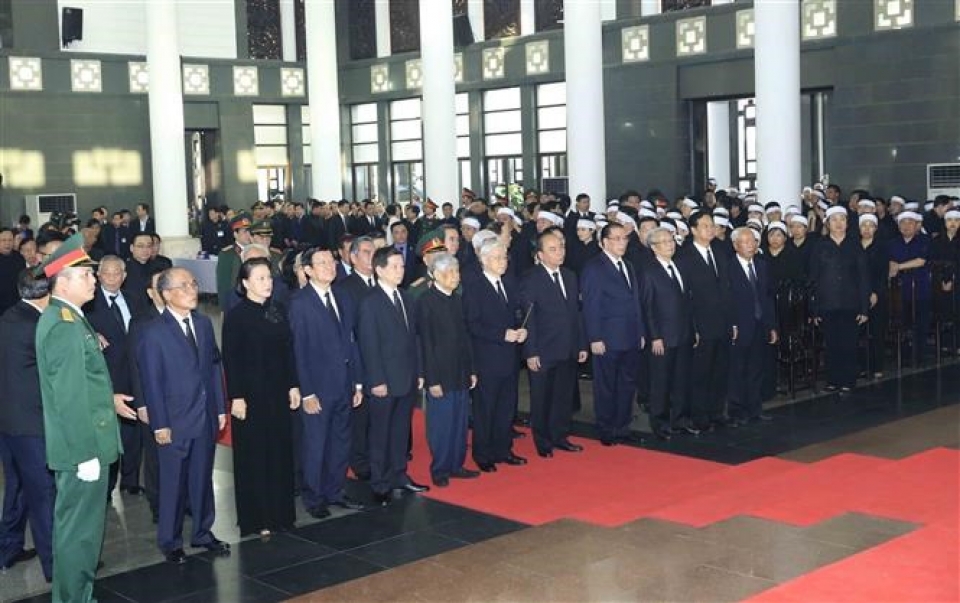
549	14
553	141
465	180
504	144
269	135
463	125
405	151
550	118
305	134
271	156
269	114
263	29
362	27
365	133
404	26
405	130
503	98
502	121
365	153
305	114
462	103
463	146
501	18
366	112
307	155
407	108
552	94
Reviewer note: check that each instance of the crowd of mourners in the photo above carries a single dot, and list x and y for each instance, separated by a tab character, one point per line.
340	318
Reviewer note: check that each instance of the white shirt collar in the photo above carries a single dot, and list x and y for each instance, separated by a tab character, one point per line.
612	258
72	306
321	291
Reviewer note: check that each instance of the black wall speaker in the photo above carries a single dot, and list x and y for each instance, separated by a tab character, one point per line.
71	25
462	32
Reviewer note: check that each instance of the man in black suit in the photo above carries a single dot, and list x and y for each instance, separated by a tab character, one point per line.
366	222
405	247
144	222
491	305
358	285
116	236
556	342
29	487
666	307
580	212
615	330
109	313
339	223
754	320
388	347
705	266
139	268
315	226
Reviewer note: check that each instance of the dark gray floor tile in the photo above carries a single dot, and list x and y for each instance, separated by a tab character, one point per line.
406	548
254	557
242	590
163	581
477	527
319	573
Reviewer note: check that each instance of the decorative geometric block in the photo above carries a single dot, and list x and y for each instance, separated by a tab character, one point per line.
245	81
292	81
892	14
493	64
691	36
745	28
196	79
635	43
538	57
139	77
379	78
26	73
85	75
414	71
818	19
458	67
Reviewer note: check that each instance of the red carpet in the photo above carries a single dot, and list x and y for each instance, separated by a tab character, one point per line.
612	486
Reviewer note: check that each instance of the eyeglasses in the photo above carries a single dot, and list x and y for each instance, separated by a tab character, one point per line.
192	286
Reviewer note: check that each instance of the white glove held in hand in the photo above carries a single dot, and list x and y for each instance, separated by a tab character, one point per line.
89	471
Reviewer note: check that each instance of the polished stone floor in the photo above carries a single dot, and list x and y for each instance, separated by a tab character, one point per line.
423	549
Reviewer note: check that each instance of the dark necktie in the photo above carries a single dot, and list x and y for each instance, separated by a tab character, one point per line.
115	308
623	272
400	309
710	262
500	292
190	337
556	279
368	280
754	282
676	280
331	307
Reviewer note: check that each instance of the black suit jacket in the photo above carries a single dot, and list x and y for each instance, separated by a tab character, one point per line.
104	322
315	231
410	261
151	226
21	411
137	324
709	290
741	295
355	288
666	308
488	319
335	229
388	346
611	309
555	329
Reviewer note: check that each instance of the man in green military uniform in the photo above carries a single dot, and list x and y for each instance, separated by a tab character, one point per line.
429	246
82	434
228	261
261	233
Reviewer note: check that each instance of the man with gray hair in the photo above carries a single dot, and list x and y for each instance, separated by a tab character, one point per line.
448	371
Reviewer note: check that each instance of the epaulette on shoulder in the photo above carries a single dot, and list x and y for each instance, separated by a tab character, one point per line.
66	315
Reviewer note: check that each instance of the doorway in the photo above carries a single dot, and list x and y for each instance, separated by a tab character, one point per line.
204	174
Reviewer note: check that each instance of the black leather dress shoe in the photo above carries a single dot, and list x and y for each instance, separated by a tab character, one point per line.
382	499
176	557
23	555
514	460
690	429
363	476
764	417
132	490
346	502
441	482
662	433
487	467
517	434
214	546
546	454
464	473
608	442
568	447
319	512
631	438
415	488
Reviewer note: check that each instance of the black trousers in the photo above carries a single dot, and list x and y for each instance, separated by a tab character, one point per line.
614	388
669	387
126	469
839	328
708	377
494	404
551	403
746	374
389	438
360	438
151	468
877	329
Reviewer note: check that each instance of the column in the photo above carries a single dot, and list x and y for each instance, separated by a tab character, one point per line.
165	100
382	20
718	142
439	111
288	30
475	13
777	75
528	17
324	93
647	8
583	54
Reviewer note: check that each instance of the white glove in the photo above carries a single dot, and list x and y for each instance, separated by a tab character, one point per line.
89	471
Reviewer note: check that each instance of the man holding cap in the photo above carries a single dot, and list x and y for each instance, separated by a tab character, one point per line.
228	261
82	436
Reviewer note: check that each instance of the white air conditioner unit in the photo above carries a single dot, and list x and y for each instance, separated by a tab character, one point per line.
39	207
557	186
943	179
